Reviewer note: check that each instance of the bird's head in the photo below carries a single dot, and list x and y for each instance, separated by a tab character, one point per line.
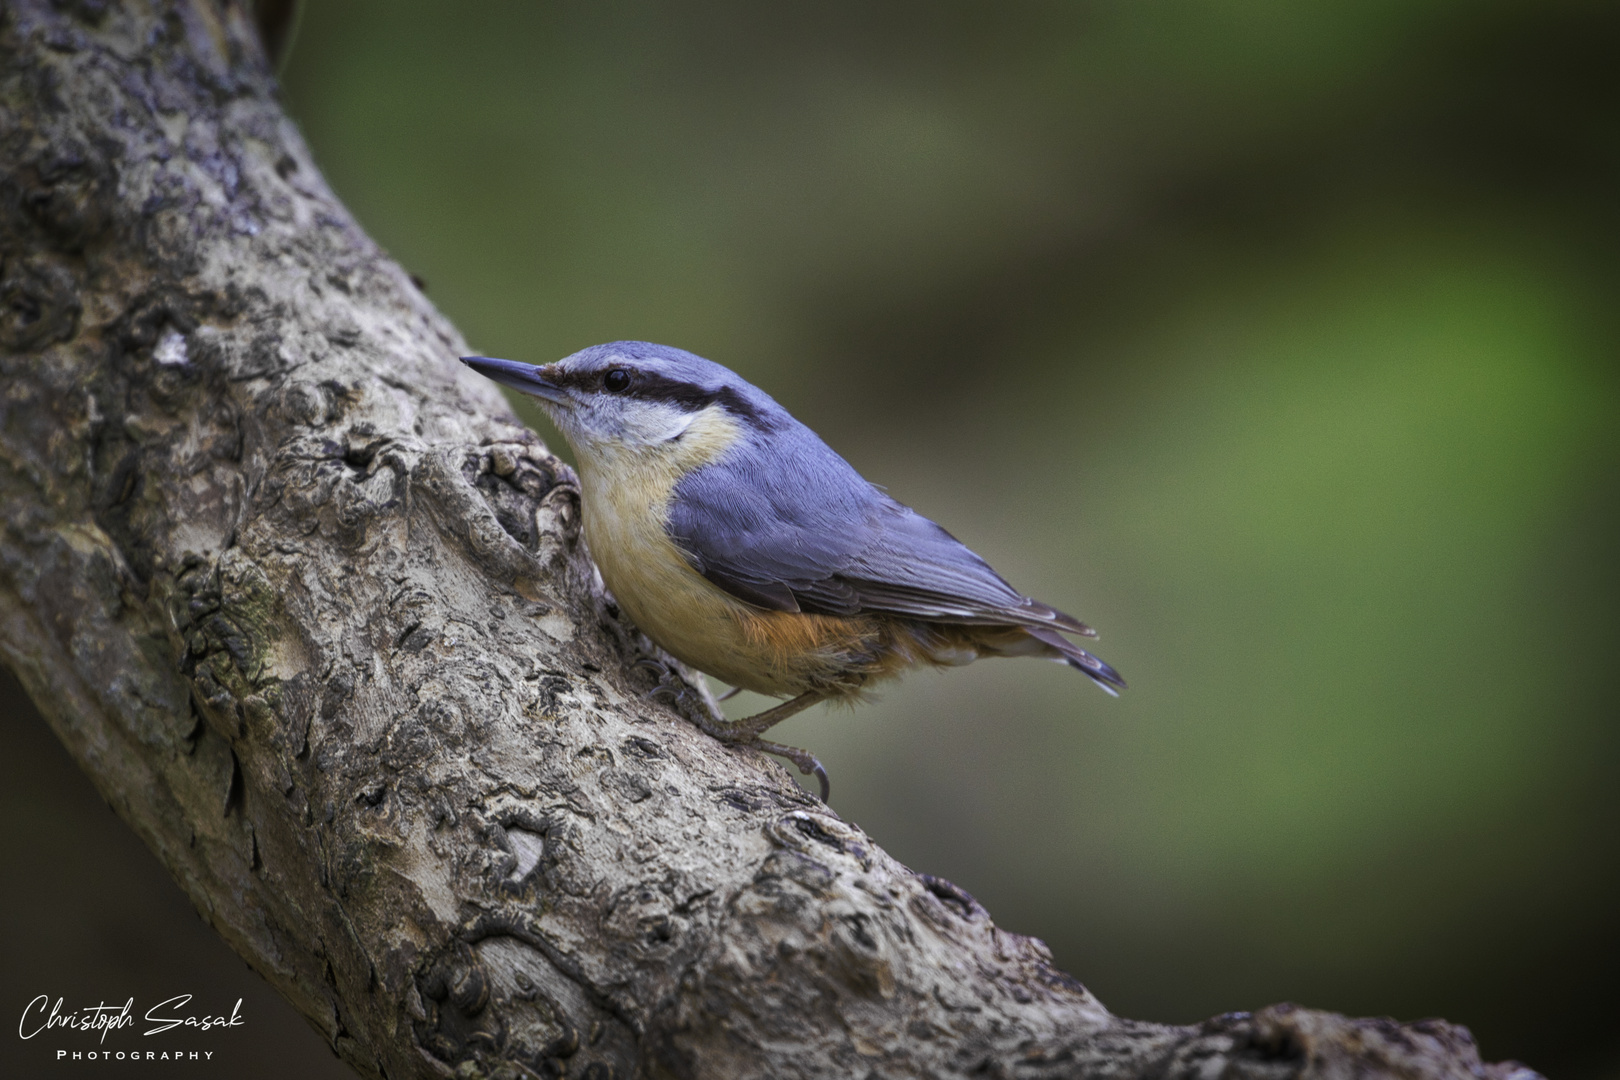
631	394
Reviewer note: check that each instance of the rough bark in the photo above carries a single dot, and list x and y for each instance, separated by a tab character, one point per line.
311	608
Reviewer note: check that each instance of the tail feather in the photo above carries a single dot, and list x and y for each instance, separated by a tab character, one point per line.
1092	668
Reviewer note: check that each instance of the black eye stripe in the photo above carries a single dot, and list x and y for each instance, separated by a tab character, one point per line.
651	386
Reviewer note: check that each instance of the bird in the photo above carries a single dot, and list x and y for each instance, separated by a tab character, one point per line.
744	546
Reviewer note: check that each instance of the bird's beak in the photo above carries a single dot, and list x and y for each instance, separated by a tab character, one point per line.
526	378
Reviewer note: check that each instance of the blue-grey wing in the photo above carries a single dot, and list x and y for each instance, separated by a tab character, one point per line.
791	526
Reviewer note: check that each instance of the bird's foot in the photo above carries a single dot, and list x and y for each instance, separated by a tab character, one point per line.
672	689
680	694
804	759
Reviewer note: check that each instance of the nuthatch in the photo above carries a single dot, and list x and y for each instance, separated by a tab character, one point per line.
746	547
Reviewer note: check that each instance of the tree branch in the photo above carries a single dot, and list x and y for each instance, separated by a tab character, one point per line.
311	608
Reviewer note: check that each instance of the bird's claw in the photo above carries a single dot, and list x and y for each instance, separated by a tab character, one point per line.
804	759
821	778
671	687
675	690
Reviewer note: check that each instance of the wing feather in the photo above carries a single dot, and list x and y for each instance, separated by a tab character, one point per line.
799	529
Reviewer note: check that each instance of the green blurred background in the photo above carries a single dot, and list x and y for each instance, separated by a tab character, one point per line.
1277	340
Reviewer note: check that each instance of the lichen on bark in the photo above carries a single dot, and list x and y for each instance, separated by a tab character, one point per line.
312	609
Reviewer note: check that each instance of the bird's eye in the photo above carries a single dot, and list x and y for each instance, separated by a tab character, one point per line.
616	381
